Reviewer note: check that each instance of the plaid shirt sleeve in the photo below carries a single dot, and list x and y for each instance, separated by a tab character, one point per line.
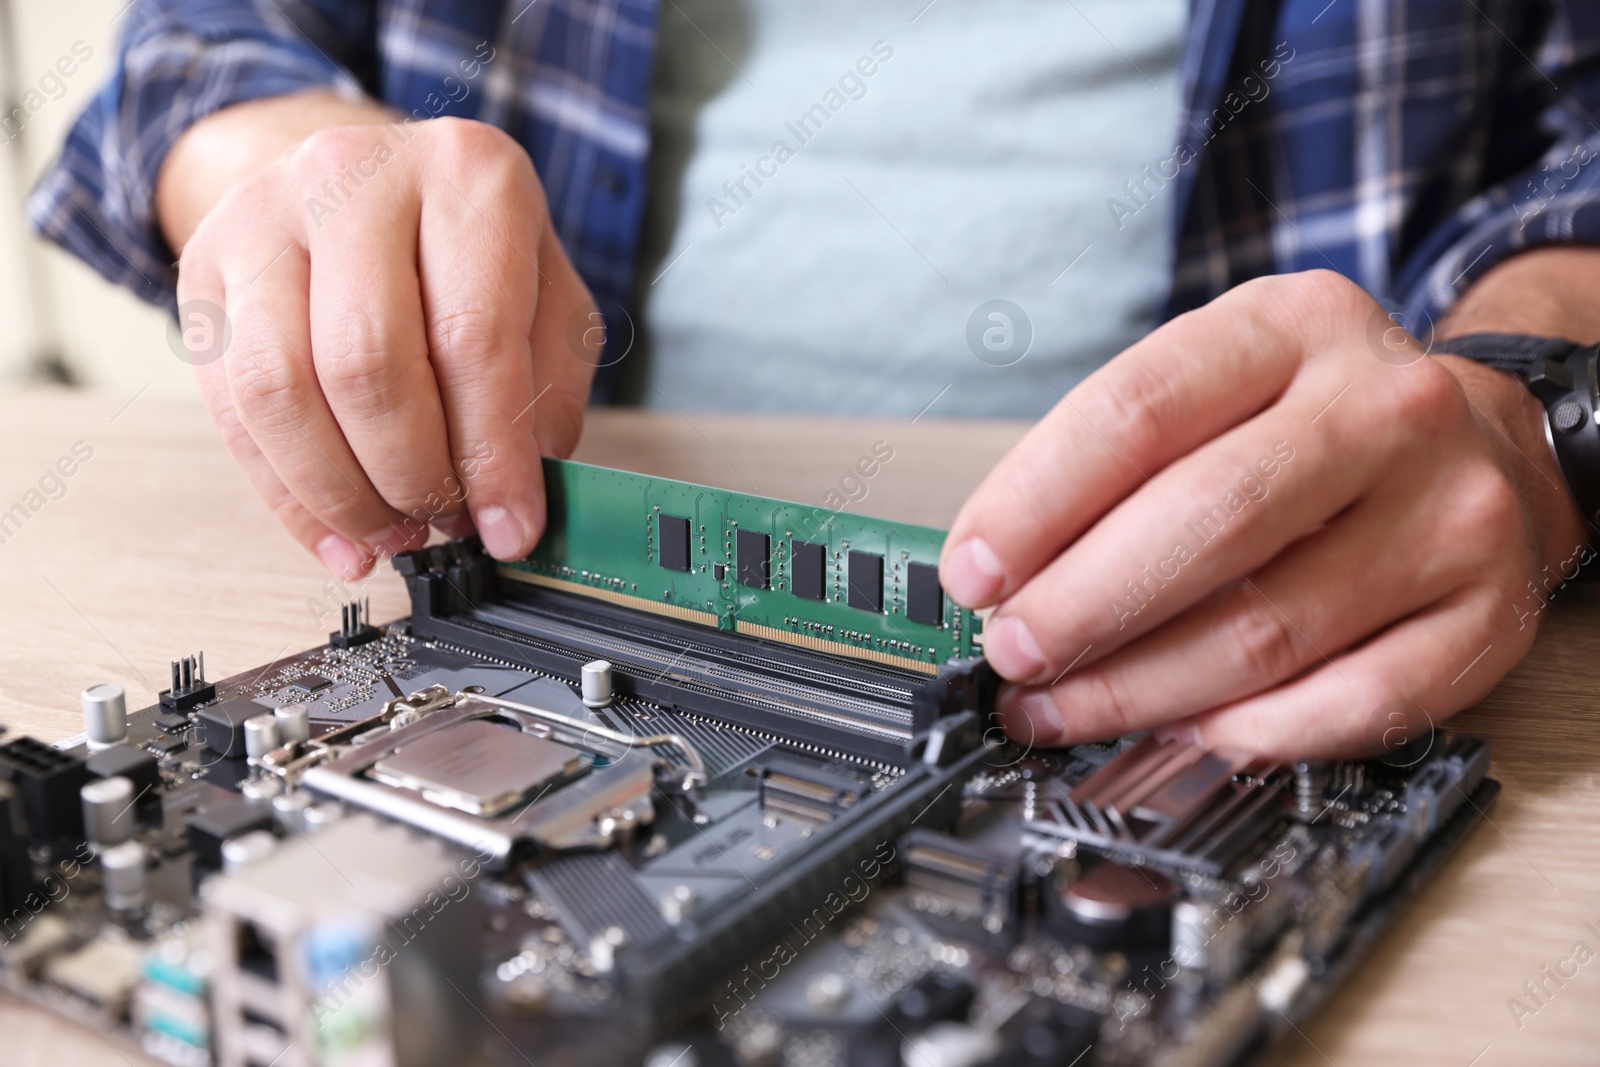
178	61
1553	200
1410	145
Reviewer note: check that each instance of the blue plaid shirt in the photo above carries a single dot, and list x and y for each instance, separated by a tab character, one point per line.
1410	145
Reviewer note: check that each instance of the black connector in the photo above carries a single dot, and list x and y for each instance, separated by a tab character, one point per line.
189	685
125	761
208	829
355	625
47	780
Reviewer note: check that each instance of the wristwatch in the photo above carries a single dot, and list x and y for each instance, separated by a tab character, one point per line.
1563	375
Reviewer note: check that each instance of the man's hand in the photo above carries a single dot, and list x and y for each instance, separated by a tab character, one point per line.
1261	526
400	312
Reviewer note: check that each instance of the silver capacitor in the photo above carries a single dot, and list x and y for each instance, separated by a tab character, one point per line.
239	852
597	683
105	715
122	870
108	816
294	723
289	809
260	735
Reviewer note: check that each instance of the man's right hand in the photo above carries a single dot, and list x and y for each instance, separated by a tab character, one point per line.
407	335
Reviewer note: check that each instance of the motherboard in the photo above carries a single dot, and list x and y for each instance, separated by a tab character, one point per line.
708	780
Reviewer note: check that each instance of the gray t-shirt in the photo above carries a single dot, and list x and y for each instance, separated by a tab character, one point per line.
860	208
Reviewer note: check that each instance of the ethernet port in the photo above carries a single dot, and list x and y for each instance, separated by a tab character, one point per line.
257	953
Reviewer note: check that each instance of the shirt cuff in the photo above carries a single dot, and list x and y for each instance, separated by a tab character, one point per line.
97	199
1554	202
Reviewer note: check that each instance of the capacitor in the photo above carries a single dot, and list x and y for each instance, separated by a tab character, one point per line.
321	816
260	735
290	809
105	715
1117	907
108	816
294	723
122	869
603	948
241	851
597	683
676	903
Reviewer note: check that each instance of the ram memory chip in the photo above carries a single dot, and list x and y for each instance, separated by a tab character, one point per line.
789	572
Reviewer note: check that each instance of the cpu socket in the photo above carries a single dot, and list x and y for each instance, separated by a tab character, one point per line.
479	767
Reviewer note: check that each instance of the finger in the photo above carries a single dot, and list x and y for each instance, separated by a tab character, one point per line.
343	557
1441	660
494	285
1321	596
274	388
1181	386
198	280
368	338
563	364
1221	513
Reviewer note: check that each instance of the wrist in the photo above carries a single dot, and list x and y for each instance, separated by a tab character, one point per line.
1518	433
226	147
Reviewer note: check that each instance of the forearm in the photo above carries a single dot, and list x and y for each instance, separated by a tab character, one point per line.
217	152
1547	291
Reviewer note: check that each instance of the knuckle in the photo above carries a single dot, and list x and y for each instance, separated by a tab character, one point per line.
1285	305
1114	710
265	387
329	150
1263	643
489	462
1137	407
1489	509
231	428
338	502
478	152
469	334
1424	397
560	414
358	366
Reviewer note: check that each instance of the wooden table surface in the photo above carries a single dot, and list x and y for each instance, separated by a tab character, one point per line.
155	546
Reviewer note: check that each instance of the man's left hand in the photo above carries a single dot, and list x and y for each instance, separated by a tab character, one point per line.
1262	526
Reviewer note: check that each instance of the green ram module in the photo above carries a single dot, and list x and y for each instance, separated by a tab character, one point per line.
804	575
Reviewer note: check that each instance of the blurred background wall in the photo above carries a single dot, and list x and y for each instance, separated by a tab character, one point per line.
57	317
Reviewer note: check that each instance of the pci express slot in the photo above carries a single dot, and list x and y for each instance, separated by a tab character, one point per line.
677	977
831	702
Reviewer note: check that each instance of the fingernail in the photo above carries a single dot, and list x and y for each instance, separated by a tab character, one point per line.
972	575
501	532
1011	649
390	542
342	557
1184	731
1031	715
457	525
